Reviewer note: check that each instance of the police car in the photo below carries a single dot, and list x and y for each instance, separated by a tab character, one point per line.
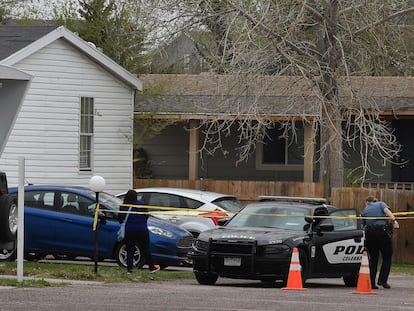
257	243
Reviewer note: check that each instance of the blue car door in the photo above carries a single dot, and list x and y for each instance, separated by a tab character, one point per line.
39	221
74	229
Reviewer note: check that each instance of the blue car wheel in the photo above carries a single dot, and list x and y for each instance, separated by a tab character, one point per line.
121	255
9	252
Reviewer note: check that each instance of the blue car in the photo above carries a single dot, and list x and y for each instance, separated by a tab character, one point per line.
59	220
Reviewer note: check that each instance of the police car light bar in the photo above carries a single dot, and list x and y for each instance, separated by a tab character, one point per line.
315	201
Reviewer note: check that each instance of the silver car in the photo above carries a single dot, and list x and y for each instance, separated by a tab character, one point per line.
194	210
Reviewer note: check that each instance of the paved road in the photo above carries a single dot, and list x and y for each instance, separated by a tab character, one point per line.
226	295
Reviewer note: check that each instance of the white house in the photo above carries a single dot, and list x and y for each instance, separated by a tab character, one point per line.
77	117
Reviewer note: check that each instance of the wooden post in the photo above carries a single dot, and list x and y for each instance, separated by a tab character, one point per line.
193	150
309	151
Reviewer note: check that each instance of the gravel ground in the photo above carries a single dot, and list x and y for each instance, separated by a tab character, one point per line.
226	295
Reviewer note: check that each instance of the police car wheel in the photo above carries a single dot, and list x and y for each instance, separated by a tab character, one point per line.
8	219
205	278
304	266
351	280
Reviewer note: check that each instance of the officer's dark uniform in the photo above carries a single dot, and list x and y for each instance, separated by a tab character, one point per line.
378	239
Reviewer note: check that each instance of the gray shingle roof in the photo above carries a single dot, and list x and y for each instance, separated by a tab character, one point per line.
209	94
14	37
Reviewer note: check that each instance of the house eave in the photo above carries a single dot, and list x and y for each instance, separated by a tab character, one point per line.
200	116
10	73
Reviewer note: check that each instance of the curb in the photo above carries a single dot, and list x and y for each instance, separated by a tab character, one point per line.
61	281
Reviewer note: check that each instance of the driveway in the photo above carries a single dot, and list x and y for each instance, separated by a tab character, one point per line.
226	295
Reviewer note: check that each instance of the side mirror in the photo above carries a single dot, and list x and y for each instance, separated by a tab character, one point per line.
308	219
222	221
325	227
102	218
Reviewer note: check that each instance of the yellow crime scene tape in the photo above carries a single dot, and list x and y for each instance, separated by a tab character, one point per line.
158	208
398	215
95	218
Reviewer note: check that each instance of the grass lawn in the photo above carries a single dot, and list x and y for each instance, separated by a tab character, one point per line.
66	271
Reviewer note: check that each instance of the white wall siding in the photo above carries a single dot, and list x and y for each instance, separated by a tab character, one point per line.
46	132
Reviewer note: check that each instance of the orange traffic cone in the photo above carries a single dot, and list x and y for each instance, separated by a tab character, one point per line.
364	279
295	277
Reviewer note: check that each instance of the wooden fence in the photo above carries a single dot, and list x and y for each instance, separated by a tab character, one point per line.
400	201
249	191
246	191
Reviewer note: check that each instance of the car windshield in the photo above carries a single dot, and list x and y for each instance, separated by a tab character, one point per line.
284	217
108	199
229	204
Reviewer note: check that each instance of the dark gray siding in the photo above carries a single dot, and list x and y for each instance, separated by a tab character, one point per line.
168	153
168	156
380	172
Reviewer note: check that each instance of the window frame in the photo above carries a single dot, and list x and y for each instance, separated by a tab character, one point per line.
186	62
277	166
39	203
86	131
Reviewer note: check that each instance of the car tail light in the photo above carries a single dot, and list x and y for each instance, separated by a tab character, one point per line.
215	215
3	183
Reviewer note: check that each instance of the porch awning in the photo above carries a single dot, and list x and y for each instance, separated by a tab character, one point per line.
13	87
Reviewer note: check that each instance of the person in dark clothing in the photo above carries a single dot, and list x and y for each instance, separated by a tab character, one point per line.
136	232
378	238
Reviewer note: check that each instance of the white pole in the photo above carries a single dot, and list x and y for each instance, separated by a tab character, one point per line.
20	221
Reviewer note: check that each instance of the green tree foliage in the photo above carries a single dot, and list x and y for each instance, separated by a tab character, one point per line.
5	6
113	27
97	22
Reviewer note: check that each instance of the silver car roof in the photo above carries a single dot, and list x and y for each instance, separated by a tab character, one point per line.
200	195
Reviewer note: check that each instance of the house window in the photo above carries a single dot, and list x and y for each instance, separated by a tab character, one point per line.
186	62
86	134
280	152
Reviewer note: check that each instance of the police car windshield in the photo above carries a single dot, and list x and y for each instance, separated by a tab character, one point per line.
278	217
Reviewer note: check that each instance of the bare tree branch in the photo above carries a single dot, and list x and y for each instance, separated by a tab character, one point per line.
382	21
321	42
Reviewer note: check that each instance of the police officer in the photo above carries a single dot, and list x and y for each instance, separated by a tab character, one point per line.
378	238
